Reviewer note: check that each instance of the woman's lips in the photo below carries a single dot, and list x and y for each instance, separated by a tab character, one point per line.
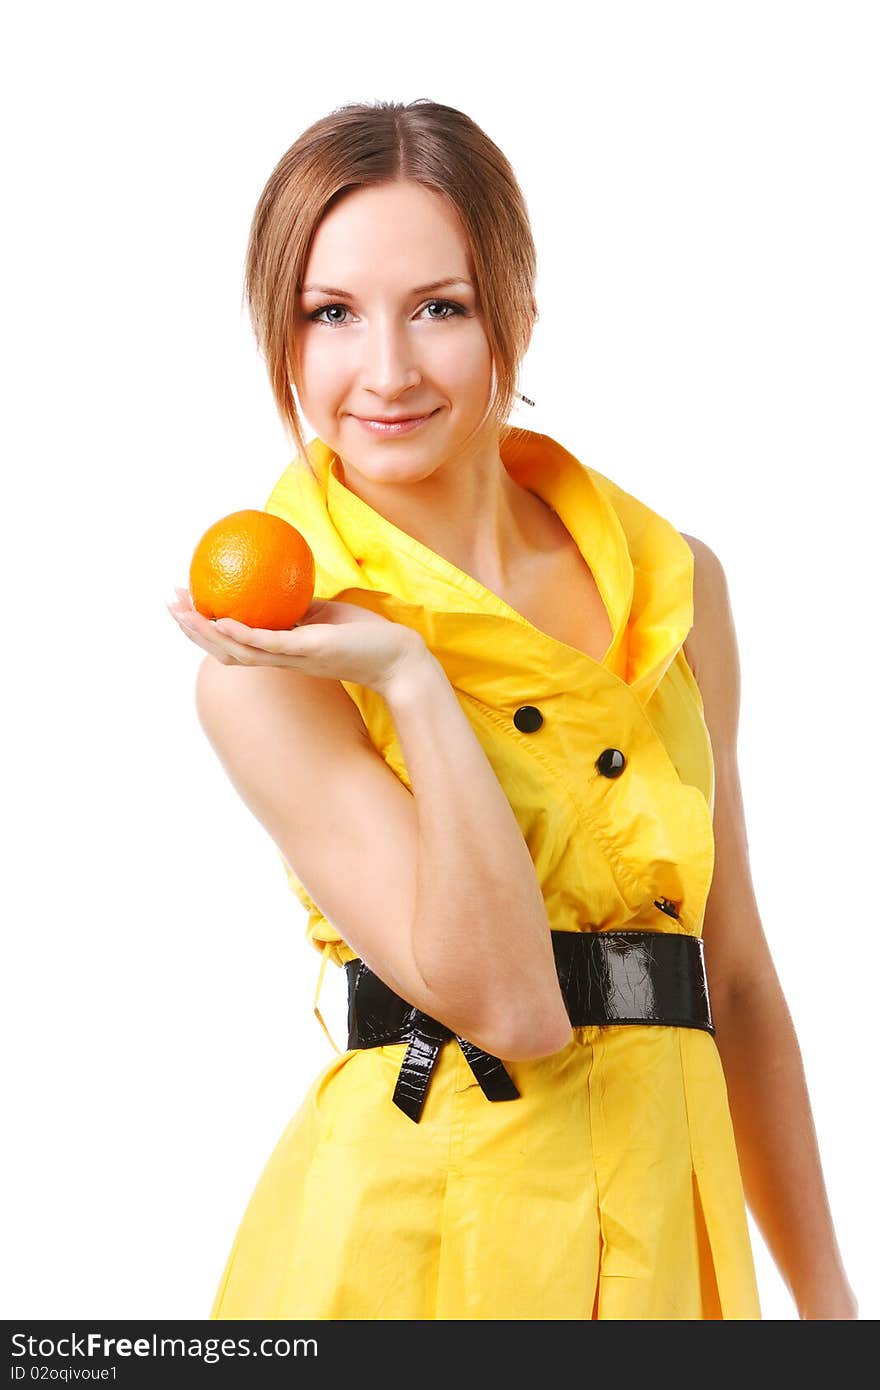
394	427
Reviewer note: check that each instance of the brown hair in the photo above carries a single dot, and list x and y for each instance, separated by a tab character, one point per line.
359	144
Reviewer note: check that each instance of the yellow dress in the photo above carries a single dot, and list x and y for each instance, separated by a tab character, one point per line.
611	1187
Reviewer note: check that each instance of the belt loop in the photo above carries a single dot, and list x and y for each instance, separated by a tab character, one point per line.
318	1015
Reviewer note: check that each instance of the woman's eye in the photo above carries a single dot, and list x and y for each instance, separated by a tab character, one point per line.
446	304
454	310
316	317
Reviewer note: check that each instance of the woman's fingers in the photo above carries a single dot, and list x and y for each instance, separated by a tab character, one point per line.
264	637
203	632
184	600
235	629
290	644
230	641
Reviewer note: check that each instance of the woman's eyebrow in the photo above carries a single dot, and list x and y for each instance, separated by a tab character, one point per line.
420	289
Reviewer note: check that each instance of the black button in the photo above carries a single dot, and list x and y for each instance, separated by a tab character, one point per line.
527	719
611	763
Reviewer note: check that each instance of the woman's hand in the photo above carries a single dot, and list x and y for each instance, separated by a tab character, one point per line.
339	641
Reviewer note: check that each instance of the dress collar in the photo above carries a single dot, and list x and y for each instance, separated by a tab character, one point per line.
642	566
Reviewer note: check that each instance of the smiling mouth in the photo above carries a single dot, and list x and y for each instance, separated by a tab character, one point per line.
393	419
400	424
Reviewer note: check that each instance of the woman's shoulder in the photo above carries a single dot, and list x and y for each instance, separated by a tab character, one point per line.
712	650
709	639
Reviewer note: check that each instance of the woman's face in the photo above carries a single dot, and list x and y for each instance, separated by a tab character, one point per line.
387	346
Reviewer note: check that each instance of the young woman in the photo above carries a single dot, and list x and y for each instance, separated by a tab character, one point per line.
498	760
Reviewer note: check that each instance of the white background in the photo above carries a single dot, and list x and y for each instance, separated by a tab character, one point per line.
702	182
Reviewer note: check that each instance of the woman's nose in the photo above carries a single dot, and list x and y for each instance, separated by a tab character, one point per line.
389	362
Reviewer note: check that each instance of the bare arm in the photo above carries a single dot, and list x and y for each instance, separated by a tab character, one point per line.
479	923
769	1102
434	890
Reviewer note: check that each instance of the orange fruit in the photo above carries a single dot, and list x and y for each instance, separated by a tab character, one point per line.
254	567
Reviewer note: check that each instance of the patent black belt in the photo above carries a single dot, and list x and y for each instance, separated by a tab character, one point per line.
647	977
